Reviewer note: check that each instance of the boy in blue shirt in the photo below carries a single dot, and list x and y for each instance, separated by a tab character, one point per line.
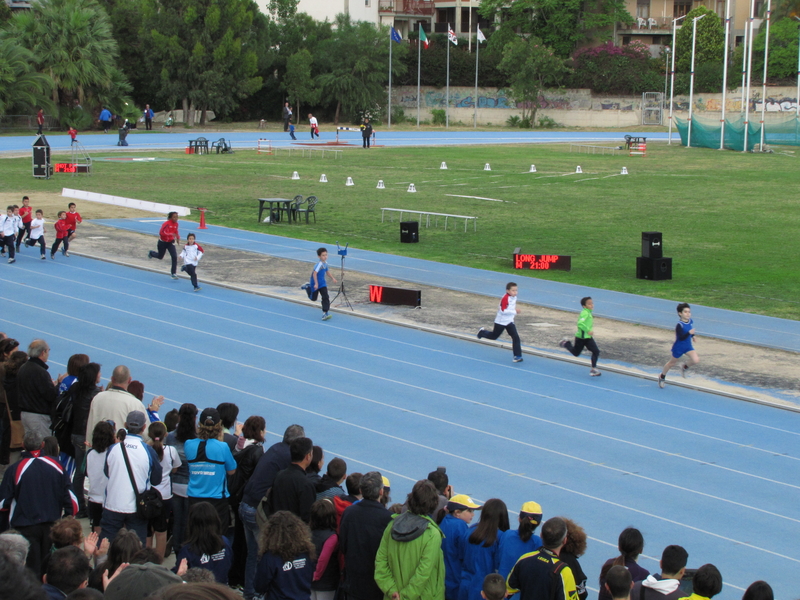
291	130
684	334
317	286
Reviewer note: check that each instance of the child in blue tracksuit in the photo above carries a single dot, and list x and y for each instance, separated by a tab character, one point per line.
684	334
460	511
317	286
291	130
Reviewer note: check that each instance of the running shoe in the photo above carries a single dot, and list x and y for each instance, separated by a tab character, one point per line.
517	359
44	257
183	268
197	289
684	368
595	373
662	381
563	342
480	331
326	316
53	256
66	253
174	276
150	254
12	260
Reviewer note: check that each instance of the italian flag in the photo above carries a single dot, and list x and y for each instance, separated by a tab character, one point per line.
422	37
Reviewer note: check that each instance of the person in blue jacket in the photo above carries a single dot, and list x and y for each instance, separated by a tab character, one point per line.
684	335
481	544
105	119
516	542
460	511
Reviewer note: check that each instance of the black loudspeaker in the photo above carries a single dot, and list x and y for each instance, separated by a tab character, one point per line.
651	244
409	232
655	269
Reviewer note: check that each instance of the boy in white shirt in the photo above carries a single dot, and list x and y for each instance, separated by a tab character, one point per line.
191	255
504	321
37	233
9	224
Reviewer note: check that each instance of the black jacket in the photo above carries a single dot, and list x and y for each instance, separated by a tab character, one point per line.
246	462
37	394
293	491
275	460
360	534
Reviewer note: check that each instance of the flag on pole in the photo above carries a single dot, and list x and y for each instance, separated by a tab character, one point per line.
451	35
481	37
422	37
396	36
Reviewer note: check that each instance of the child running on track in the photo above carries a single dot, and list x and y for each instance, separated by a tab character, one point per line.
62	231
73	218
191	255
168	236
37	233
583	337
317	286
26	214
504	321
684	333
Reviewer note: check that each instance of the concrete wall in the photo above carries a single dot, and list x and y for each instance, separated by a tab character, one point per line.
359	10
575	108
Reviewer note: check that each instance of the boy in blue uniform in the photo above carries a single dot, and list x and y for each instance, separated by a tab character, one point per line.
317	286
684	333
583	337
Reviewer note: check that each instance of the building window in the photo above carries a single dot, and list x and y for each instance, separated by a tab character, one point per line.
643	9
721	10
681	7
366	3
758	9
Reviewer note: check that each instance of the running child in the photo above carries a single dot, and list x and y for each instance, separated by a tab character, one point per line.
291	130
505	321
26	214
8	229
73	218
191	255
317	286
168	236
36	233
583	337
62	231
684	333
73	134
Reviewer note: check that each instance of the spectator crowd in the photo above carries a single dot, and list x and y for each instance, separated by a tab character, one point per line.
282	523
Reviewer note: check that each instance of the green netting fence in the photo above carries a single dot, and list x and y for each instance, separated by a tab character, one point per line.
706	132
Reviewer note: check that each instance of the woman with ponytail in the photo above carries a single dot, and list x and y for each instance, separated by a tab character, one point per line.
170	461
630	545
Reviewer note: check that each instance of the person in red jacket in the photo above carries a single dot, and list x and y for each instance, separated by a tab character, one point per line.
62	235
168	236
73	218
25	212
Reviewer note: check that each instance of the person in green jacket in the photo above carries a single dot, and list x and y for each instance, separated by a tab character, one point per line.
583	338
410	564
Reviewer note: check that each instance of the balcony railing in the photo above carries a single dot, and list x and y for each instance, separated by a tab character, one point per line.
407	7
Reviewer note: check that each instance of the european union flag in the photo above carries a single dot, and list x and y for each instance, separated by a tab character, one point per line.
396	36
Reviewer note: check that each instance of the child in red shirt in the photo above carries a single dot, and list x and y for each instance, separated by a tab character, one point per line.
167	237
73	218
73	133
25	212
62	231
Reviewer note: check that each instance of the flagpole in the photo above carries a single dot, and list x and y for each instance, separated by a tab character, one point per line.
390	79
477	52
447	93
419	64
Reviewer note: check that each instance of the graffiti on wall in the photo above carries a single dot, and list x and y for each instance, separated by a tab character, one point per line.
781	104
500	99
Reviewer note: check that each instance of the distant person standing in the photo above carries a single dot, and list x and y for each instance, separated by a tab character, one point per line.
105	119
584	336
39	121
148	117
312	121
168	236
287	115
366	132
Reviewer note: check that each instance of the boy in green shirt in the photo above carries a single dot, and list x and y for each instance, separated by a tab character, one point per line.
583	338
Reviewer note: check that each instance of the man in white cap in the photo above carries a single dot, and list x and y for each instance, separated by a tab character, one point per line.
119	508
460	510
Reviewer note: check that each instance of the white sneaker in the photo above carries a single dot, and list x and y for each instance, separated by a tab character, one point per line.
662	381
595	373
480	331
684	368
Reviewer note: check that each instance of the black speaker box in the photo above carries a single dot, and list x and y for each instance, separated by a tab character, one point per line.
409	232
655	269
652	246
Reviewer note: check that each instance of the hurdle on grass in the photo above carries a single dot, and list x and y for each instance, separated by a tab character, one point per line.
264	146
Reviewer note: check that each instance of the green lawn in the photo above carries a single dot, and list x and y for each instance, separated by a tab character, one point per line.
730	220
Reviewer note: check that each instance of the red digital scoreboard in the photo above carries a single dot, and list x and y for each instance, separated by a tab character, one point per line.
542	262
381	294
70	168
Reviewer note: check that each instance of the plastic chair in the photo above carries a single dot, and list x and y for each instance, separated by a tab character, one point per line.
651	22
310	208
641	22
295	206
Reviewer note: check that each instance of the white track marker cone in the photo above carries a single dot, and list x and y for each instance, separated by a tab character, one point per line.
295	175
349	181
444	166
578	169
411	188
533	169
323	178
624	171
486	167
380	185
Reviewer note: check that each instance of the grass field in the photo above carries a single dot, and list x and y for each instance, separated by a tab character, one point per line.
730	221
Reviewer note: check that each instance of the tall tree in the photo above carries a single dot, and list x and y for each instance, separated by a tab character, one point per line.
21	87
355	63
203	51
710	43
298	83
72	43
531	66
562	25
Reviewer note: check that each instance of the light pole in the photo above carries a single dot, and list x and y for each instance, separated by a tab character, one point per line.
797	98
725	73
672	74
691	80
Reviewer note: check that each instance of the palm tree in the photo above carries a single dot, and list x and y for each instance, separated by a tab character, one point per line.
21	87
784	8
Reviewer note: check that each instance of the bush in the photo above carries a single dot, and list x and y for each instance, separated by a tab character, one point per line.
75	117
513	121
439	116
525	123
398	115
548	123
623	70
